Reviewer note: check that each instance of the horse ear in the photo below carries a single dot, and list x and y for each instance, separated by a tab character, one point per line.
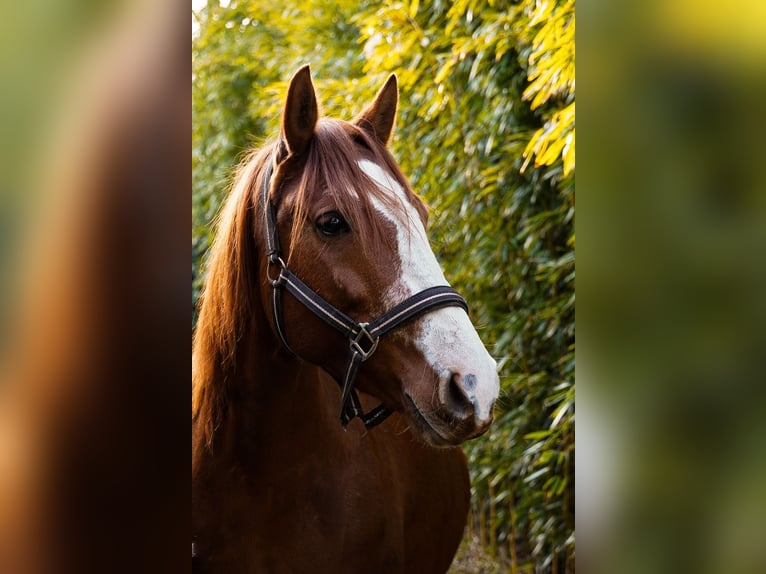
379	117
300	115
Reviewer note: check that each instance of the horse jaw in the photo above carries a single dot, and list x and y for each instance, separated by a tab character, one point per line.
447	339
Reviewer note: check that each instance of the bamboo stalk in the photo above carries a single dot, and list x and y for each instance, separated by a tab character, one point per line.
482	528
512	537
492	523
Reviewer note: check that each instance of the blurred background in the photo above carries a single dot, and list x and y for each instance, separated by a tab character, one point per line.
671	286
94	179
486	134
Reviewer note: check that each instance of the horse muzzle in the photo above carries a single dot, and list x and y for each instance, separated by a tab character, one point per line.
458	414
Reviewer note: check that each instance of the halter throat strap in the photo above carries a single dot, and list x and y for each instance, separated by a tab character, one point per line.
363	338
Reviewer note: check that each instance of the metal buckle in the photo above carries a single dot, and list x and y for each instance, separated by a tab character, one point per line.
275	259
356	347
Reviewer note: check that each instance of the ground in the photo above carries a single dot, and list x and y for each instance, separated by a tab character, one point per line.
471	558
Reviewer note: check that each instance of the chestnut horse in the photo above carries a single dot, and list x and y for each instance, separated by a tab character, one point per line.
321	271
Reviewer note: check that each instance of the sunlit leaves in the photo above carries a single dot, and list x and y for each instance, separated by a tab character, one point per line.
552	58
556	138
551	74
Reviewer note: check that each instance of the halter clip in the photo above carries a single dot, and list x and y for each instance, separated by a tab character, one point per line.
357	348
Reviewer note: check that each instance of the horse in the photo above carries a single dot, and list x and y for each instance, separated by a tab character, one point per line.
323	296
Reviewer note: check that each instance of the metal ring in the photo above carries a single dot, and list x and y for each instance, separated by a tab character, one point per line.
275	259
357	348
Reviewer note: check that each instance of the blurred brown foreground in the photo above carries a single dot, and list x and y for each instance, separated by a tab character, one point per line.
94	322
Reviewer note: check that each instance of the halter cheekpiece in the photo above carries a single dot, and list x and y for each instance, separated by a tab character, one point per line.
362	338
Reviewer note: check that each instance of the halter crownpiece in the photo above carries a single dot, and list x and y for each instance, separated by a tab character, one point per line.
363	338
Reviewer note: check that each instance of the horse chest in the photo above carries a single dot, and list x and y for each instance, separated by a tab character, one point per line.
346	505
303	526
310	514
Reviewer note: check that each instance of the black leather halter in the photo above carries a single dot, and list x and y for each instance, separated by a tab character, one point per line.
362	338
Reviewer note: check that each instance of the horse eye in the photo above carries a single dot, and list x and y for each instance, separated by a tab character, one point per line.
332	224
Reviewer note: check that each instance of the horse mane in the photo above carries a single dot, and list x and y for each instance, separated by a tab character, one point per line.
232	271
224	305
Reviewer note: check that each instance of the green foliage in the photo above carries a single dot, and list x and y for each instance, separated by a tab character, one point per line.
551	74
485	87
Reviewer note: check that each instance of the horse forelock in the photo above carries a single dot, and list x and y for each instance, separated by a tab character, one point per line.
332	168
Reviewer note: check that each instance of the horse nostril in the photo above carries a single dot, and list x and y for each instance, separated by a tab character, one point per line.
459	395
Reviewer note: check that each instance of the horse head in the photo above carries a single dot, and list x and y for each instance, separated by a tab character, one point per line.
351	228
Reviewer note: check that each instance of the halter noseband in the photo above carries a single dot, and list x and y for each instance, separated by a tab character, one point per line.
362	338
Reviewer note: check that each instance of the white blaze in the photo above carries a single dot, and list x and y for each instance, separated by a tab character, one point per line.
448	340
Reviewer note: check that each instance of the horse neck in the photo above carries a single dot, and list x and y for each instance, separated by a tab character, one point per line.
271	399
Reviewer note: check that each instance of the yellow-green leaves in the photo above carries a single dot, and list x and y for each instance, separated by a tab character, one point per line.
414	8
556	138
551	74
